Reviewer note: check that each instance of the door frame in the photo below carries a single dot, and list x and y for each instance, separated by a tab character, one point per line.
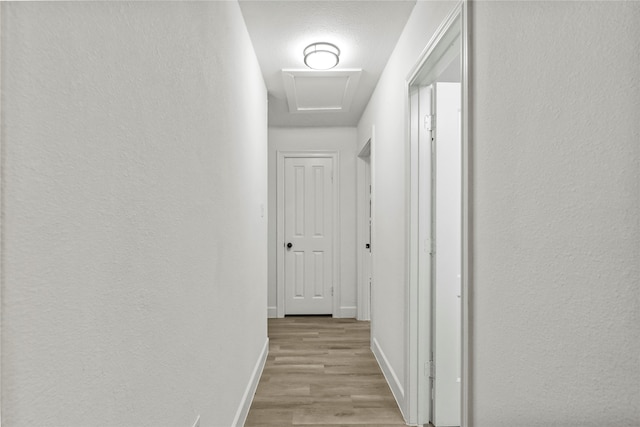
335	247
418	303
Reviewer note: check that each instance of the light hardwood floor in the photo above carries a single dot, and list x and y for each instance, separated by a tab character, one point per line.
321	372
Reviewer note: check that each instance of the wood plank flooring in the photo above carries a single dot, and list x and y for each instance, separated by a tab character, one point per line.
321	372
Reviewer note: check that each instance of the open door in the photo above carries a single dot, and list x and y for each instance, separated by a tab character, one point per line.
439	249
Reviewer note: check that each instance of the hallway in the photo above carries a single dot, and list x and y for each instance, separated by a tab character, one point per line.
141	247
320	372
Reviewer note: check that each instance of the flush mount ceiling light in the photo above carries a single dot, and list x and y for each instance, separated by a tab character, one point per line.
321	56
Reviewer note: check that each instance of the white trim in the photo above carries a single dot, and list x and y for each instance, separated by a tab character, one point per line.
412	300
272	312
281	156
389	374
1	226
452	17
250	391
467	224
348	312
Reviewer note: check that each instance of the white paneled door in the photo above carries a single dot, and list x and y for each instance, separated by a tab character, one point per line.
308	233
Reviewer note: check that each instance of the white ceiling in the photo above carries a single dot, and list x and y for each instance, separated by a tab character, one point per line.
366	31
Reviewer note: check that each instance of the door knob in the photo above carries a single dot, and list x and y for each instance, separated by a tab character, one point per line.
289	245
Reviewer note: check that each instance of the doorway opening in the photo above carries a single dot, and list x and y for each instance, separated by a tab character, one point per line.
365	232
437	94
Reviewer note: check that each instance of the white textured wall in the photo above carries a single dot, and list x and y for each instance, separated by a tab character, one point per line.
132	193
386	111
343	140
556	169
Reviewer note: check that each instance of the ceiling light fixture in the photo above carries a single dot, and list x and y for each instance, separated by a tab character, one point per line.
321	56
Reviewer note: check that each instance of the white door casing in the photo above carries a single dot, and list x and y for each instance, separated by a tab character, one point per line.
307	224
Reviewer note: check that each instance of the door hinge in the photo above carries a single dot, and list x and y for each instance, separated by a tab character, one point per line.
332	291
430	246
430	369
430	121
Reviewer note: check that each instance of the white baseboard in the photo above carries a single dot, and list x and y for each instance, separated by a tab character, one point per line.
250	391
272	312
349	312
390	376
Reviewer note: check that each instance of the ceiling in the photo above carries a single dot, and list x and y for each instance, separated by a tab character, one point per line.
366	31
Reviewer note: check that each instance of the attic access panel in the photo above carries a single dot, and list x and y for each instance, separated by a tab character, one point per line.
310	91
